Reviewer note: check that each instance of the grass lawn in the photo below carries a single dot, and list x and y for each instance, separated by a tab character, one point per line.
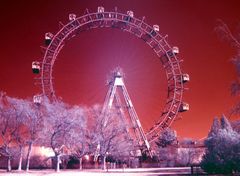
112	172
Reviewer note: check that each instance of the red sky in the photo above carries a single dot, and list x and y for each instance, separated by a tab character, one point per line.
81	68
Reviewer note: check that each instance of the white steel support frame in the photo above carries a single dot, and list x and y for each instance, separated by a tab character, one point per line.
135	26
115	84
122	115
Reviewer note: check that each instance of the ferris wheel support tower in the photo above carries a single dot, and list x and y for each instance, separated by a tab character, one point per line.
116	83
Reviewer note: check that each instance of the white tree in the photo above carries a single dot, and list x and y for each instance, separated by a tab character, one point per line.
19	107
215	127
166	152
7	129
12	127
185	156
34	125
223	150
78	140
60	121
234	39
236	126
166	138
188	156
109	136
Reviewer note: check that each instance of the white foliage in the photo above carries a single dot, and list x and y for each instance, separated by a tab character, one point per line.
223	150
111	137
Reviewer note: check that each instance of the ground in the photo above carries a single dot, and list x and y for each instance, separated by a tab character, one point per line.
115	172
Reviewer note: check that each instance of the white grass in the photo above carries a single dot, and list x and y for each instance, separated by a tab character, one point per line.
112	172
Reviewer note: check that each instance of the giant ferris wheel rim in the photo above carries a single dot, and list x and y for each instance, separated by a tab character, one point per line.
140	29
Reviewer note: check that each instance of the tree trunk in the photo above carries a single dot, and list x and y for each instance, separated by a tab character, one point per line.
57	168
28	156
80	163
20	159
9	168
104	162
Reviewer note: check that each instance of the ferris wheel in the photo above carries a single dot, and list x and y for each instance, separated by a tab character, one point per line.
167	55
